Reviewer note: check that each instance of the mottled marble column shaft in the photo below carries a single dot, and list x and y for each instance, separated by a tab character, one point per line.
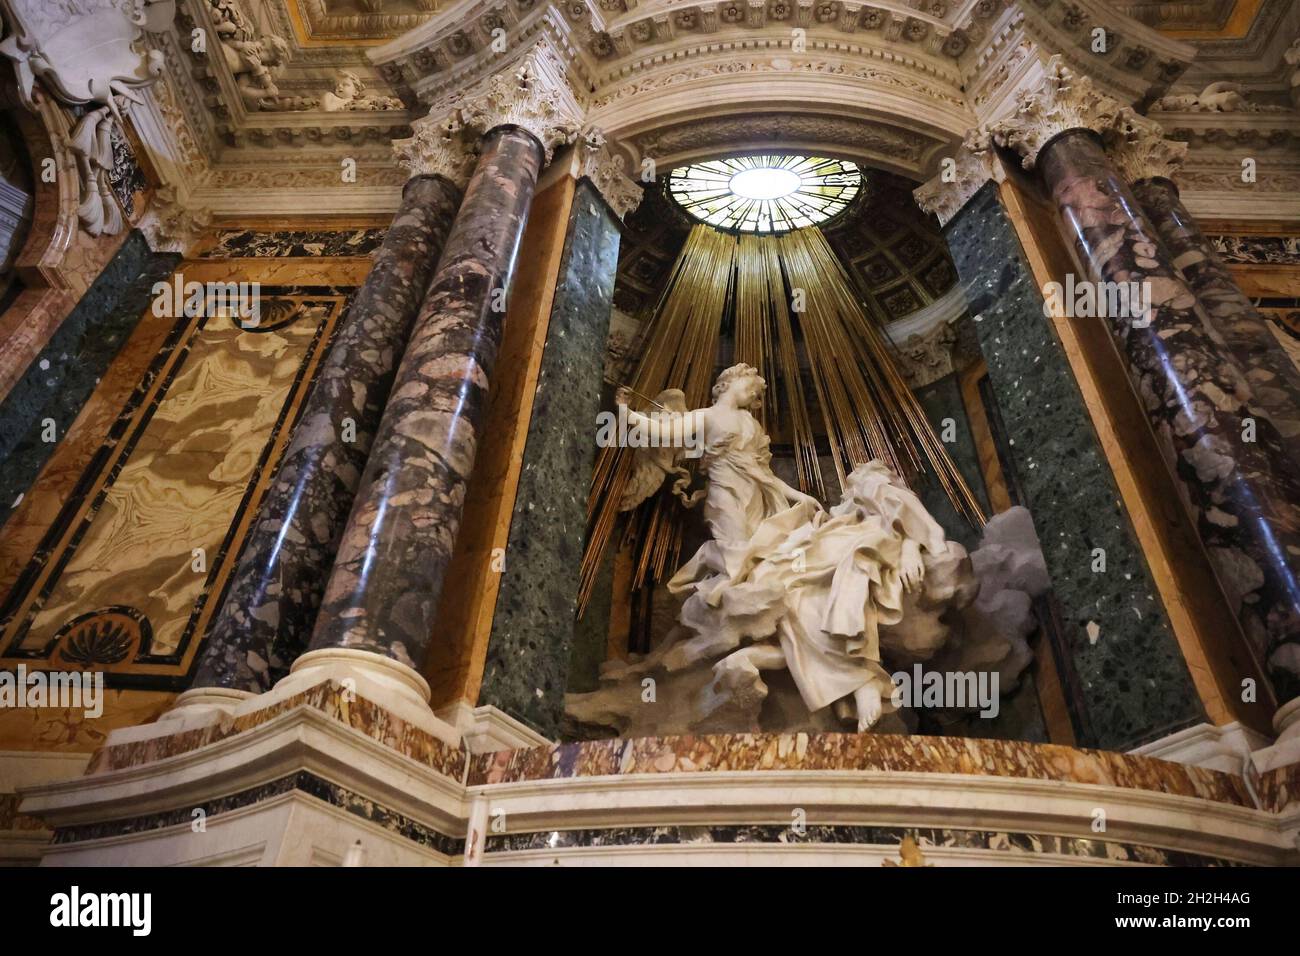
1124	672
1239	483
270	608
1273	377
387	575
527	666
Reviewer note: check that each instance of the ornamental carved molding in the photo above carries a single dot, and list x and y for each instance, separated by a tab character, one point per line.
960	177
625	87
87	55
437	148
605	169
534	95
1139	149
170	225
1064	100
927	357
898	146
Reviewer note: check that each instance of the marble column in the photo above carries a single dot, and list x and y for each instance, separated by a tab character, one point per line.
266	620
1123	673
1149	162
1237	480
387	575
530	644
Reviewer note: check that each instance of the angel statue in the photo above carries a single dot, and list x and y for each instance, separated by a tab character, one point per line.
784	583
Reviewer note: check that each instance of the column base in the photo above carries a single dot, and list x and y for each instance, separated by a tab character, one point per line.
392	684
487	729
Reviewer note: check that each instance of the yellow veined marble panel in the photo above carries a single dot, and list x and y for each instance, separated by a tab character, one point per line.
188	471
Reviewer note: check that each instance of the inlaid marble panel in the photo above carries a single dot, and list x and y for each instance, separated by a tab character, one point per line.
330	698
927	839
128	574
65	373
1258	250
248	243
715	753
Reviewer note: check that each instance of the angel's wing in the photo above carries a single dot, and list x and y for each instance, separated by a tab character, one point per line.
651	465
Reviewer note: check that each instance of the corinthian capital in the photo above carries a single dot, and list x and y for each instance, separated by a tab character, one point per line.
533	95
1065	100
436	148
1139	150
960	177
601	165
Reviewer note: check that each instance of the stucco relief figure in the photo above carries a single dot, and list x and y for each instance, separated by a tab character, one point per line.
784	583
255	62
1292	57
1221	97
349	93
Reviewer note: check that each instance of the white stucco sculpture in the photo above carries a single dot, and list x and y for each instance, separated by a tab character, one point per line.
784	583
88	54
349	93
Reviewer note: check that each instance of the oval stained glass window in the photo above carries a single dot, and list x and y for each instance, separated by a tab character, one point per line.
765	193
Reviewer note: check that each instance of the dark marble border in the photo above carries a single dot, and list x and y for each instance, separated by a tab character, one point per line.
927	838
302	781
284	244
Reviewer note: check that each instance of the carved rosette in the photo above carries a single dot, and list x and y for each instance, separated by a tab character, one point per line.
1065	100
604	168
1139	150
973	165
436	148
533	95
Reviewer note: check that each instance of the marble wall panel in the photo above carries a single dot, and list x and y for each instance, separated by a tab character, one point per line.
527	666
182	469
1121	658
67	370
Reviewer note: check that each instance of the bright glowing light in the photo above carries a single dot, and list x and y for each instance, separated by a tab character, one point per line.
765	193
765	183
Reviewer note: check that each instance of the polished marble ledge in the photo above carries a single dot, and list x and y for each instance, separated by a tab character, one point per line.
331	698
875	753
327	754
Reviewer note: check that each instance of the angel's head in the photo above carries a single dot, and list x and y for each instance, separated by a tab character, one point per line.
740	386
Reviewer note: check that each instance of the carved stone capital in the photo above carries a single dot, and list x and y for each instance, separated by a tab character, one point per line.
170	225
1139	150
534	95
960	177
600	164
436	148
1065	100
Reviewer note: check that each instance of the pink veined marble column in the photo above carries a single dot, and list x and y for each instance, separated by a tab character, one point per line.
1240	485
383	590
1273	377
1226	451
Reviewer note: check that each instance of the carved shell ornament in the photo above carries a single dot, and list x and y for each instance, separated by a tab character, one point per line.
87	58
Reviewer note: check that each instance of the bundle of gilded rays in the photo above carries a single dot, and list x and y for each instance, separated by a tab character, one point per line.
777	289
